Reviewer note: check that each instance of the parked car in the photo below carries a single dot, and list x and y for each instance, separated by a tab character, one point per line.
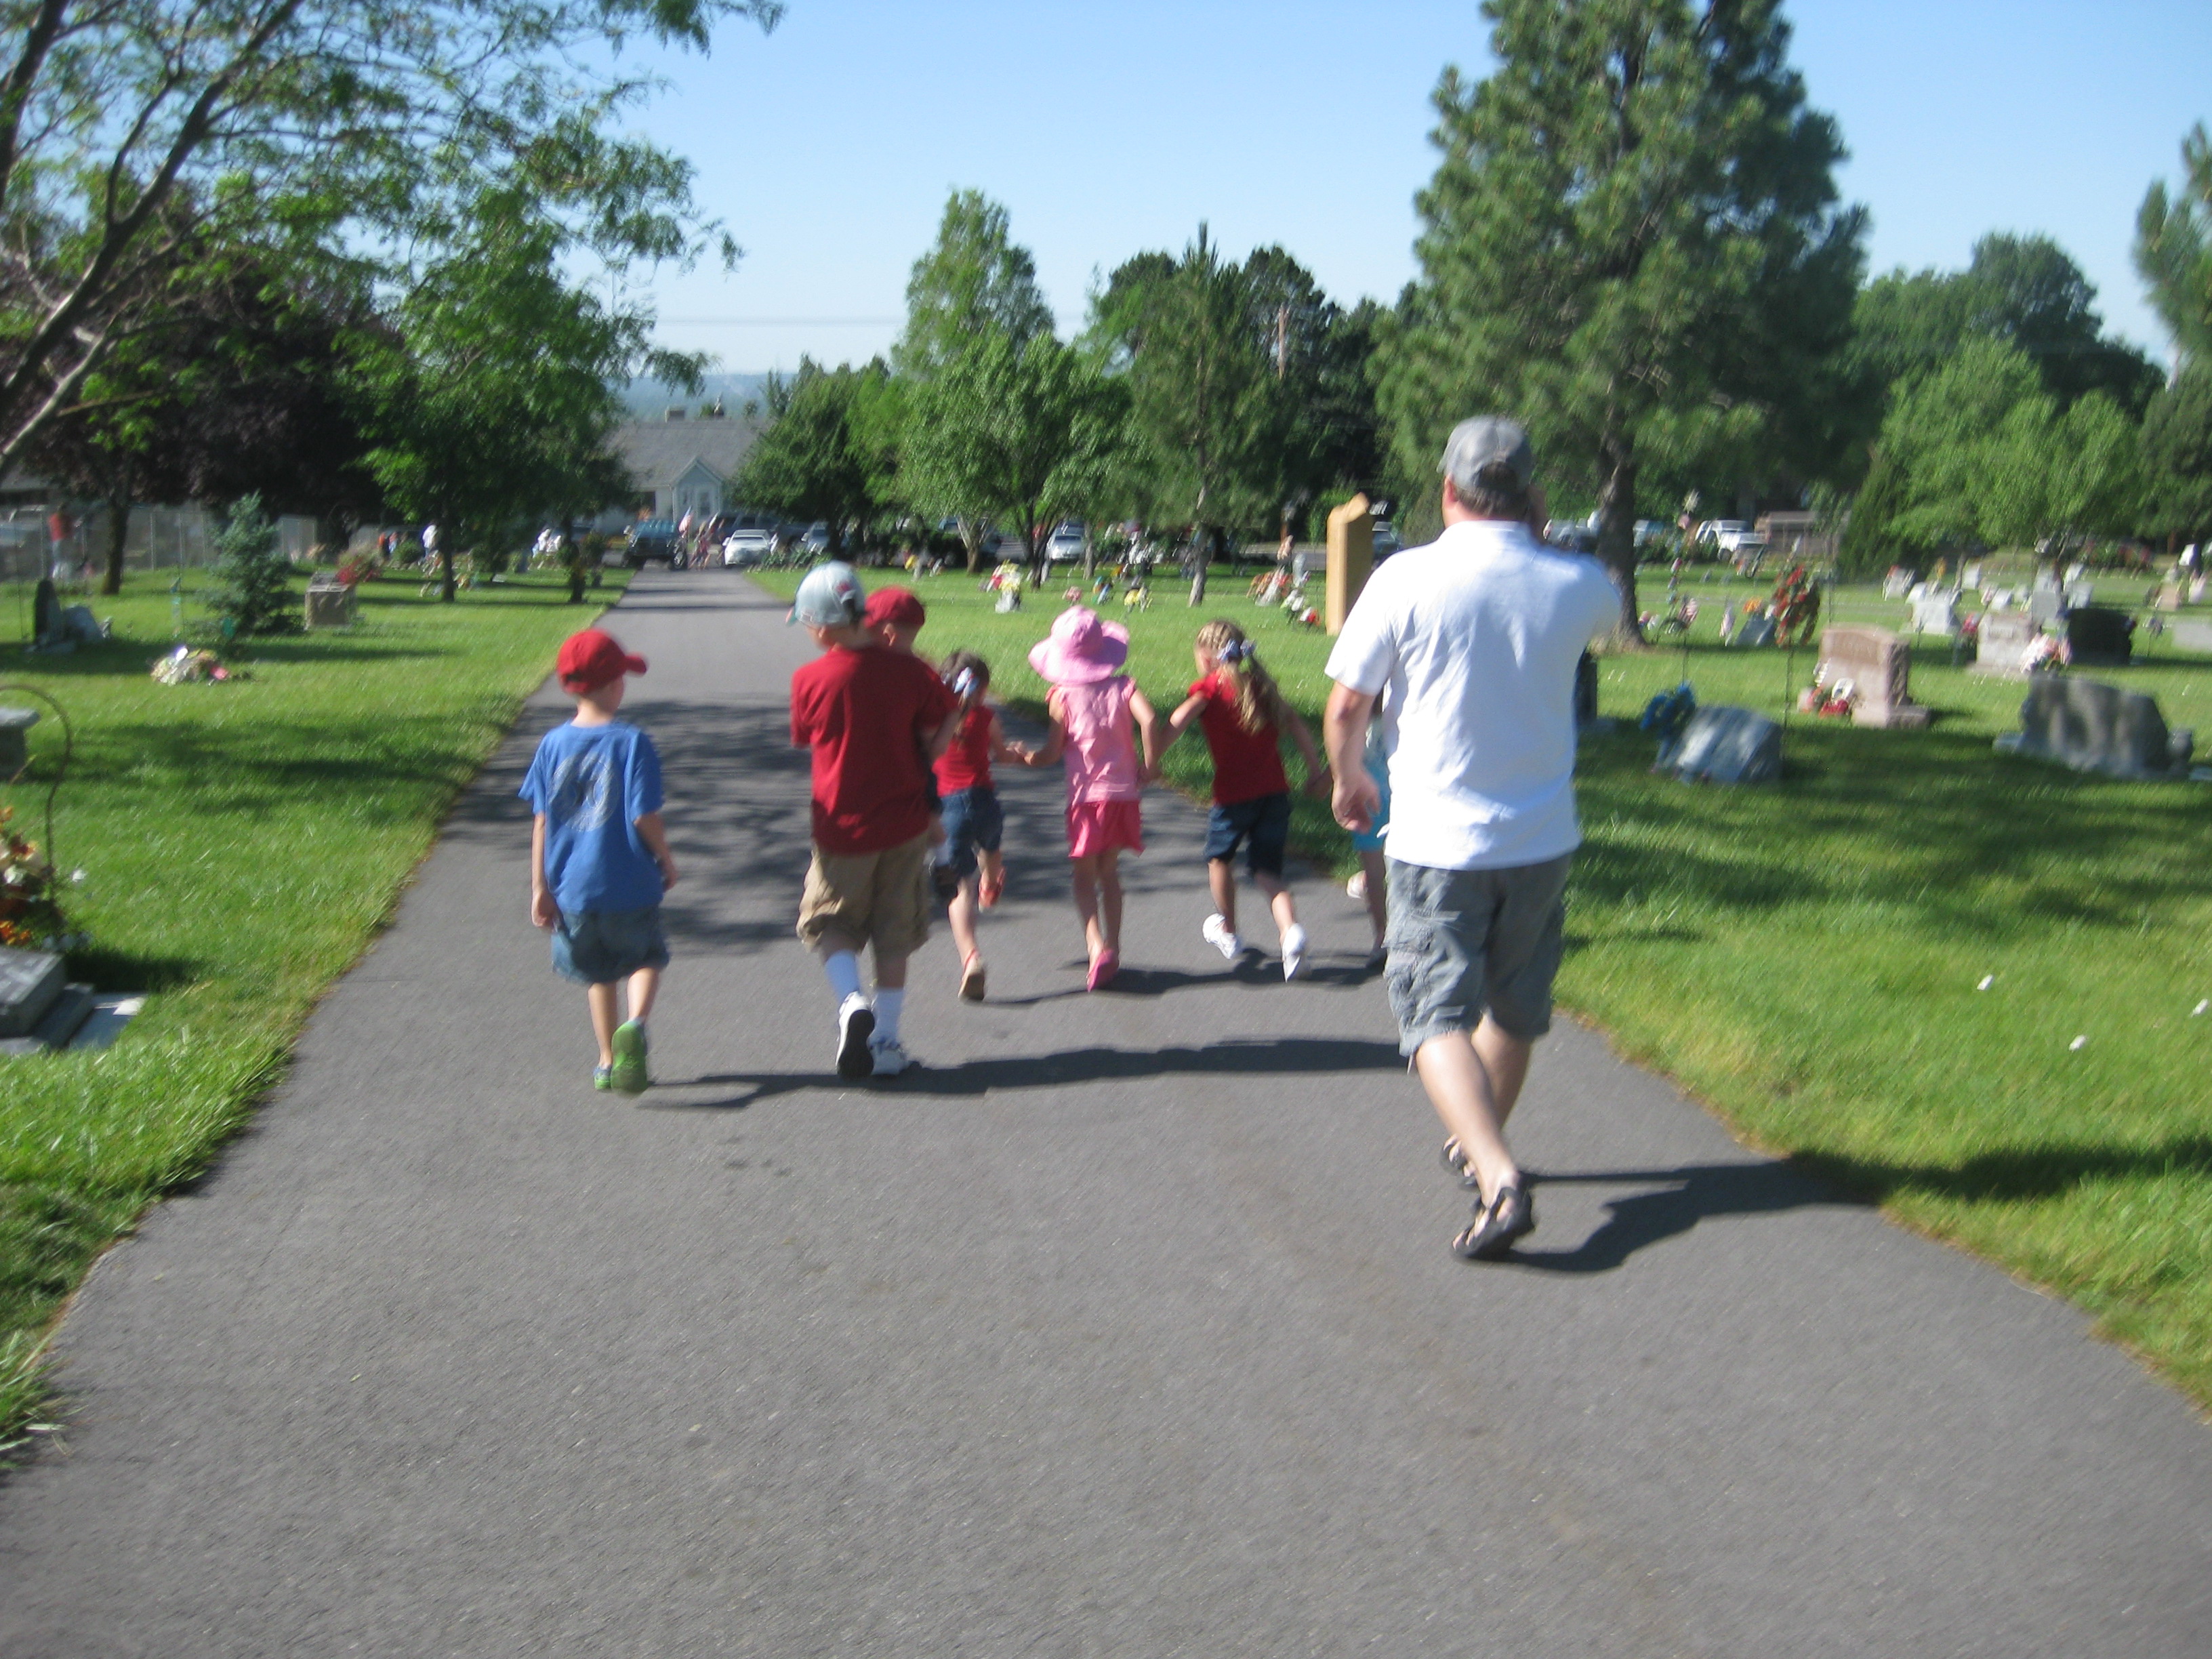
1576	535
747	549
1387	540
1721	534
652	538
1065	543
814	543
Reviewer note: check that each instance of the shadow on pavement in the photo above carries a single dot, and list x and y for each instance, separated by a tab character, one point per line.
1691	1193
1242	1057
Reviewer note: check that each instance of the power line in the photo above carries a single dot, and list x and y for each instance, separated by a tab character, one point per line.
781	322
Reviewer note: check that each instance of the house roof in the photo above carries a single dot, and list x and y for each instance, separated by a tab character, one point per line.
659	453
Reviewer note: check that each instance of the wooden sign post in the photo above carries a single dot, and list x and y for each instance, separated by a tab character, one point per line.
1351	558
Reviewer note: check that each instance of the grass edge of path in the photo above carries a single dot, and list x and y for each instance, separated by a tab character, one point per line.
34	1394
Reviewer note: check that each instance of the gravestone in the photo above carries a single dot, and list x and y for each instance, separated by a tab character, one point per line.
2002	644
2168	597
330	603
15	725
1879	665
2196	591
2079	594
2194	637
2095	727
1971	576
2043	605
45	611
1936	613
1755	630
1897	584
1724	744
2098	636
31	981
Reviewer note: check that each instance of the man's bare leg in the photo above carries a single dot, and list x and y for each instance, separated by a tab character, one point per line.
1459	1087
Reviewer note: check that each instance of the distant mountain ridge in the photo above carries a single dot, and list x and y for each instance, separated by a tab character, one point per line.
651	400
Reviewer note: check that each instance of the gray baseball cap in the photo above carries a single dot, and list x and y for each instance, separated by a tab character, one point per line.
1486	441
830	597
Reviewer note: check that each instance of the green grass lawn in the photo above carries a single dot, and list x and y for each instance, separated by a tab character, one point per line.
241	843
1804	956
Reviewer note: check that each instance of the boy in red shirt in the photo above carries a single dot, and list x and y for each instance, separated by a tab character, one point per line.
874	718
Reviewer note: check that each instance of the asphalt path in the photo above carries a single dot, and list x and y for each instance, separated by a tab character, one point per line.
1126	1327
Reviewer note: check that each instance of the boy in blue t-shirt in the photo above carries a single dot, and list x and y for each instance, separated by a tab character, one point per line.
599	855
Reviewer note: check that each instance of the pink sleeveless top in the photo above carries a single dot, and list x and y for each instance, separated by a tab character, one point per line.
1101	750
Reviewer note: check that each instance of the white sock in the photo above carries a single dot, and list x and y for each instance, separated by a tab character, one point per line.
888	1004
842	970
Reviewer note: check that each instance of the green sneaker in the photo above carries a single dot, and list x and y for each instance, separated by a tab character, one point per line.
603	1077
629	1070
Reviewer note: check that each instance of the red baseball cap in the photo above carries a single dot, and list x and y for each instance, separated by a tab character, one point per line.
593	658
899	607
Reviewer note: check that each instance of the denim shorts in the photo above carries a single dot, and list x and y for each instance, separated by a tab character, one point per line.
598	947
1466	941
974	822
1261	826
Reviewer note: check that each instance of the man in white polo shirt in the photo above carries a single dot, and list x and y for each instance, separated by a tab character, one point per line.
1469	646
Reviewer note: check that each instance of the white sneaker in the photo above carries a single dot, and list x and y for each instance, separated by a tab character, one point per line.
1219	936
1294	950
1357	887
891	1056
856	1023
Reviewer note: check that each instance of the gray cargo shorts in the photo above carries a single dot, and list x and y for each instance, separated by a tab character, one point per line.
1462	941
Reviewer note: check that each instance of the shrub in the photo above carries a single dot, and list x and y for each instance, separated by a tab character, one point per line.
251	593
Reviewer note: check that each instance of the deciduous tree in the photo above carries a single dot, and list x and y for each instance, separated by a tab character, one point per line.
131	133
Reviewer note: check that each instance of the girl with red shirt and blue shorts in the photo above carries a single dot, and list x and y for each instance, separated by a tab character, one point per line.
1244	717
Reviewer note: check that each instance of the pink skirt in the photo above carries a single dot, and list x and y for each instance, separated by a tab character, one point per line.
1101	826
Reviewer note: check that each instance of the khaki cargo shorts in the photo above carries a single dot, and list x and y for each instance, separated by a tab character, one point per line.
870	898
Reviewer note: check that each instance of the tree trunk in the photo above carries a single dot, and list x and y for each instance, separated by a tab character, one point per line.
1616	526
118	532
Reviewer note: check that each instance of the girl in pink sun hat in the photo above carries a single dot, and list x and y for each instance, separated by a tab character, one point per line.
1098	716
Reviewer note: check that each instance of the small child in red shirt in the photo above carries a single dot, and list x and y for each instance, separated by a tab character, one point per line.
975	825
1242	713
874	718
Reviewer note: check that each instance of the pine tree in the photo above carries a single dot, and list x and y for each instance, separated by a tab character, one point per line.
249	593
1633	243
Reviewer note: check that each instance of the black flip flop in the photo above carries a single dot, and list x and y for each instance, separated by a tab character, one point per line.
1491	1234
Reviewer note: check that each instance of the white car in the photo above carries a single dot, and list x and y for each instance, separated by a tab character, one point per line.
1065	543
743	549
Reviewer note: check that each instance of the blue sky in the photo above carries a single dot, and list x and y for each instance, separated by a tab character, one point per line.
829	146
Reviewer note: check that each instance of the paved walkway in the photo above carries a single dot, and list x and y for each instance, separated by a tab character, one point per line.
1127	1328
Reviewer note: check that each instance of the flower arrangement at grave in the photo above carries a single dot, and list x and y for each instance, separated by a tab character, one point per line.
1829	694
358	568
1795	606
186	666
1669	711
31	916
2045	655
1006	579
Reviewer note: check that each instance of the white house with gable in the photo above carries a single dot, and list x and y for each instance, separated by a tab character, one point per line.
683	464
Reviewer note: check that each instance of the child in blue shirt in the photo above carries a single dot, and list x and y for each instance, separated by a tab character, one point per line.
599	855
